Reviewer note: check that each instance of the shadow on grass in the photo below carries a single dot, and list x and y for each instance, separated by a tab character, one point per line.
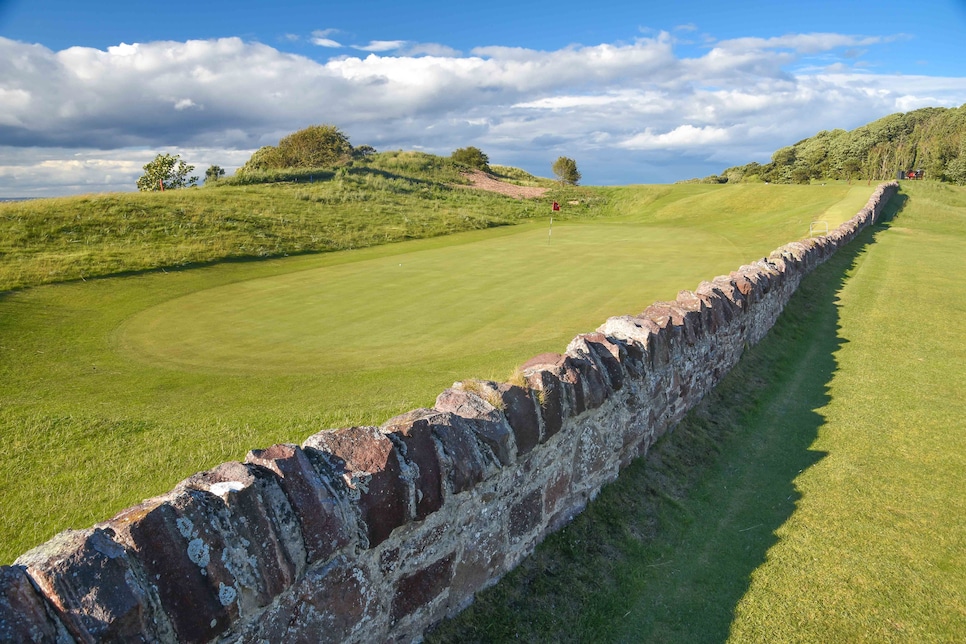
666	553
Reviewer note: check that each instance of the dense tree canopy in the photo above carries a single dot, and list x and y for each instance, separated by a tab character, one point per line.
931	139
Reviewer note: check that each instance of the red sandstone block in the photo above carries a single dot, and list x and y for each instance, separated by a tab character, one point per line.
318	508
24	615
414	434
481	562
563	370
332	603
369	464
266	541
521	411
420	588
747	286
678	324
590	381
467	464
557	491
698	314
606	354
720	309
636	337
542	374
729	287
526	515
186	548
488	422
463	461
95	589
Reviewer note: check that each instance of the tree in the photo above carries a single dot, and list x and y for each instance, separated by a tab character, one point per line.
166	172
851	167
363	152
471	157
213	173
566	170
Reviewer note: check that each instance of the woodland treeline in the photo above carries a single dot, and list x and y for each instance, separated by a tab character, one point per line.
932	139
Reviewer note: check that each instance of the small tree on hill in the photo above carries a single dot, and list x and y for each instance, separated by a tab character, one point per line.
566	171
363	152
166	172
471	157
214	173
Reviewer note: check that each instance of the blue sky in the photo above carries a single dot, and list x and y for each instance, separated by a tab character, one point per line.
636	92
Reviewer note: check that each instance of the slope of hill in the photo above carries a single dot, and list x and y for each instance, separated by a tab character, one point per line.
387	197
931	139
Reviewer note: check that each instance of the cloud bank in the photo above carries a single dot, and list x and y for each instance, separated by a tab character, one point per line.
83	119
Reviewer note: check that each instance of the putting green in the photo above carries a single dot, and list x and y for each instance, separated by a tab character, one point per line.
426	304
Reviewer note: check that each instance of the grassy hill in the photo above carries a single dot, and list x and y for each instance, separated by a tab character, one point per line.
391	196
112	390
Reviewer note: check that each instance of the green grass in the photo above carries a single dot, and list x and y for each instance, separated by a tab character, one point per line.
816	496
397	196
115	389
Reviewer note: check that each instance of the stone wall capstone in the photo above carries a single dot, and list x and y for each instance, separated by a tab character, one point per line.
371	534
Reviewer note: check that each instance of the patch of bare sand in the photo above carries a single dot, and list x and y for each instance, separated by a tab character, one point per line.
482	181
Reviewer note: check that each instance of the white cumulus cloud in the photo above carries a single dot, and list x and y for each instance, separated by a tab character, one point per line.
69	119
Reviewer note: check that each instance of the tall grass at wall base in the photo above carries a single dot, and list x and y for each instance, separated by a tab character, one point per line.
816	496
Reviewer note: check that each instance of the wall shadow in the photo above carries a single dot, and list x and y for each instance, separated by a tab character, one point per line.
666	553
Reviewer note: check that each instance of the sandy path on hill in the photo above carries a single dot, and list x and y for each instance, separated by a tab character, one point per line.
482	181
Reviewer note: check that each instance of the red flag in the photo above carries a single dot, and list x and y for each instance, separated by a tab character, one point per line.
556	206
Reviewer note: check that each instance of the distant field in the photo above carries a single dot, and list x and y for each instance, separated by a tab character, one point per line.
817	495
114	389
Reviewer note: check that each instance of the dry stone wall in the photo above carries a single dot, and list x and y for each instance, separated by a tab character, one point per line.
370	534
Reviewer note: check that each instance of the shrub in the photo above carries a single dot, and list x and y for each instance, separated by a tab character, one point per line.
471	157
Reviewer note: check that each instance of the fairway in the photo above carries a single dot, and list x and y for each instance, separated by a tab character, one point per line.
817	495
115	389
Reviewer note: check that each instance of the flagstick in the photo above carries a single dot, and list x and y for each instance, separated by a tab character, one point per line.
551	230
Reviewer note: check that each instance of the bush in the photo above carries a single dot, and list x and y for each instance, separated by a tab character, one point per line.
316	146
471	157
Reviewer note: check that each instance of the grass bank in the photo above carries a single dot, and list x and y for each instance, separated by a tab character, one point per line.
112	390
393	197
816	496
